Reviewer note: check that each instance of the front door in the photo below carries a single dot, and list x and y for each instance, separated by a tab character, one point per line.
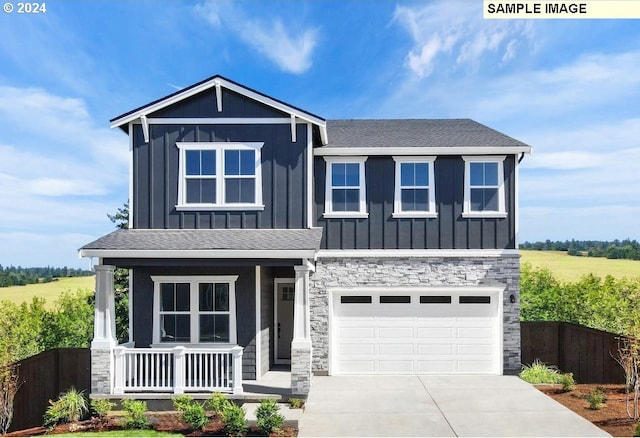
284	298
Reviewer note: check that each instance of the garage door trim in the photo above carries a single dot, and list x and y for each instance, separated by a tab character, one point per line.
337	292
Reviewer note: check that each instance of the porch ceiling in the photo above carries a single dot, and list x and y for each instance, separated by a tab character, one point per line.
206	243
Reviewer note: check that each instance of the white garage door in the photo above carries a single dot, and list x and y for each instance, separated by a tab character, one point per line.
416	333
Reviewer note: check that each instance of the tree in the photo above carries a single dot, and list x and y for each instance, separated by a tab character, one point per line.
121	280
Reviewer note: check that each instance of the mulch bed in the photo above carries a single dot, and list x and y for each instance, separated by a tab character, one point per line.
160	421
612	416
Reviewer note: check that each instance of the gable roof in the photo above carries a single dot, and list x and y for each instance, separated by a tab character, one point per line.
206	243
417	136
214	81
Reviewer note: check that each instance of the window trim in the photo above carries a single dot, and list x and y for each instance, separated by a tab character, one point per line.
362	187
194	312
466	210
220	177
397	200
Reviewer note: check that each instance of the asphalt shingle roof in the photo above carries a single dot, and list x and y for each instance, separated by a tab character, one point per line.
209	239
415	133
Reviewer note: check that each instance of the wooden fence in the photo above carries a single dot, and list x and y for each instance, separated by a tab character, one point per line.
583	351
44	377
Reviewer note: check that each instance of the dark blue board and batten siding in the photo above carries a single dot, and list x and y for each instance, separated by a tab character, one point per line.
156	165
448	231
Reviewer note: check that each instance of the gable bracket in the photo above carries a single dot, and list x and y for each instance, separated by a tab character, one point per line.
145	127
218	94
293	128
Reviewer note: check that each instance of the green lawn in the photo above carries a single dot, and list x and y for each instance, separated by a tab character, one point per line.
571	268
48	291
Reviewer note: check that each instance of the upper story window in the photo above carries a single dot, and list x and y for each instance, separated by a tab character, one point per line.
194	310
223	176
484	187
345	187
414	187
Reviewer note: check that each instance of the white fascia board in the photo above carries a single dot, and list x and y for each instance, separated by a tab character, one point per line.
228	85
396	253
419	150
199	254
220	121
433	290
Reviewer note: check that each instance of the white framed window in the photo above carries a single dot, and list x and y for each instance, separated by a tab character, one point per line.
220	176
194	310
414	187
484	186
345	194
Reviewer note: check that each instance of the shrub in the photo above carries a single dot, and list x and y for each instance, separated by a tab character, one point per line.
135	414
596	398
267	417
102	406
70	407
637	431
539	372
296	403
218	402
194	415
567	382
181	402
233	417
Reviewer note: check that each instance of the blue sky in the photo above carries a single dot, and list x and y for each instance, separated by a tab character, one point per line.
569	88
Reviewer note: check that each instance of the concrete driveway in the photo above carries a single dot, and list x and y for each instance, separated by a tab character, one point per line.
435	406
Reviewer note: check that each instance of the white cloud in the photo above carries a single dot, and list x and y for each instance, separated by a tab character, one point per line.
290	49
452	34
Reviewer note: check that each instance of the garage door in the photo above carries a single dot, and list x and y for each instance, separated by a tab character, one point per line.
416	333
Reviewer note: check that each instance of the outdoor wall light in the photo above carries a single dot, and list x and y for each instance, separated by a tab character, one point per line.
512	298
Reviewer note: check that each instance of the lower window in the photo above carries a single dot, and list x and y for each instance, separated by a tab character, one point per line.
194	309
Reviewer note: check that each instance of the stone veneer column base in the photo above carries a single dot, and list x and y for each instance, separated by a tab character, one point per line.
300	367
101	369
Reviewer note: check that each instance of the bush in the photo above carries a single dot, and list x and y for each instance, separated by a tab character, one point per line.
194	415
539	372
135	414
102	406
233	417
637	431
181	402
218	402
296	403
596	398
567	382
267	417
70	407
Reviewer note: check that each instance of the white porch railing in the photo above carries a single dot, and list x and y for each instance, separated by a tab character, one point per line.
176	370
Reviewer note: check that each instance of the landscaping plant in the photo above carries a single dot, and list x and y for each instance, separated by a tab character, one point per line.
191	412
233	417
596	398
218	402
267	417
296	403
9	385
101	407
567	382
539	372
180	402
135	414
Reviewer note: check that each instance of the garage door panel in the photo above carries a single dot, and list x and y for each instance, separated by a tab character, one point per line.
395	332
396	349
475	350
475	366
435	366
396	366
474	333
357	349
436	333
357	367
445	349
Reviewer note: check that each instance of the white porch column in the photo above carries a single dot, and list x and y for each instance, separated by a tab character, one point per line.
104	340
301	344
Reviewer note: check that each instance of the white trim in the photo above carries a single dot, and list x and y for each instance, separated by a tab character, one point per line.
293	129
218	87
131	165
193	281
420	150
200	253
516	206
220	121
258	323
130	299
362	187
277	282
397	198
310	180
220	177
466	205
427	253
218	81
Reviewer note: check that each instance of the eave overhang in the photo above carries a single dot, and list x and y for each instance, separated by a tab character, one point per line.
417	150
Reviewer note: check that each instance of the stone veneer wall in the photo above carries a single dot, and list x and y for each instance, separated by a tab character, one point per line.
503	271
101	370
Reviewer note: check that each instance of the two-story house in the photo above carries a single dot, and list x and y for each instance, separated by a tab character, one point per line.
263	234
